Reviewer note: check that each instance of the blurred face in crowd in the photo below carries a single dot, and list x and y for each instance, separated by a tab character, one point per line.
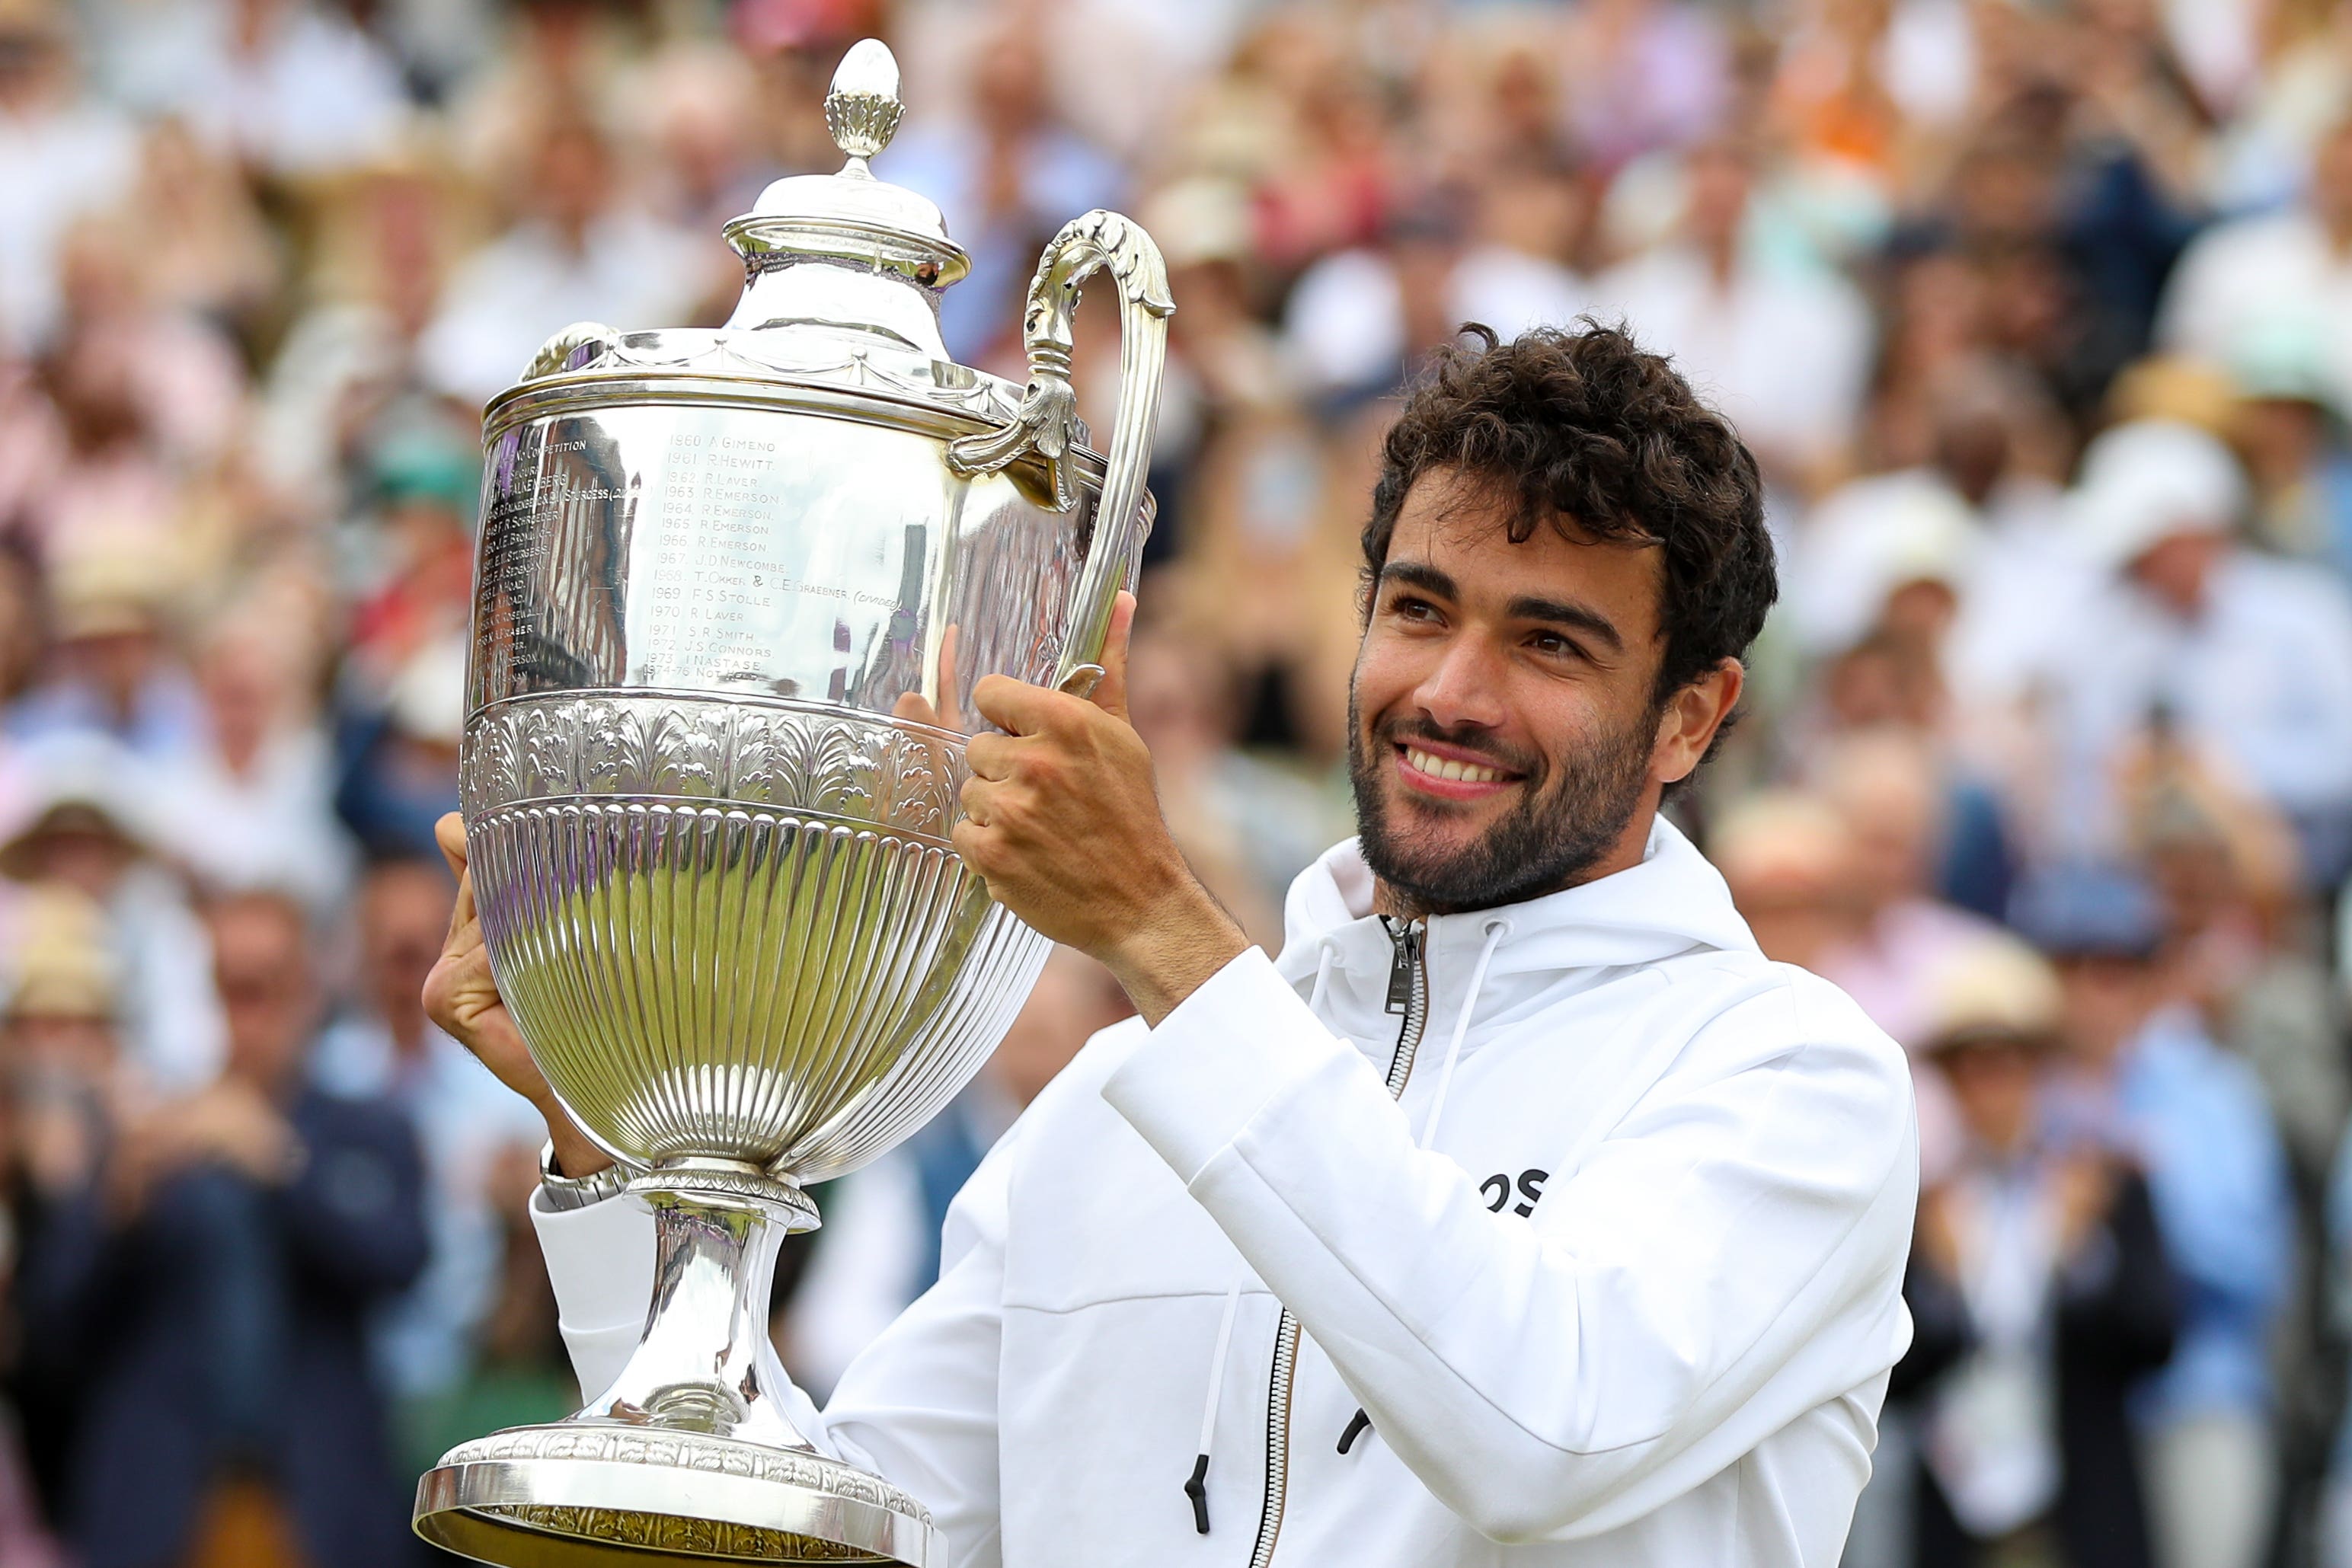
116	660
240	680
2177	569
1505	731
403	916
1993	1084
77	846
1180	717
1885	792
2331	181
20	623
1717	203
2106	998
29	62
1793	893
572	177
261	971
59	1045
1075	997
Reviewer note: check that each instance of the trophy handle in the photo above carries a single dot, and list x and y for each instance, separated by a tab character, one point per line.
1044	423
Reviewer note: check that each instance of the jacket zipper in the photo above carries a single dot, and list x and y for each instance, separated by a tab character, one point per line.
1408	994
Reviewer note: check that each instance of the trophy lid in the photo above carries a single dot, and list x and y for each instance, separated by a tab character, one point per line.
852	216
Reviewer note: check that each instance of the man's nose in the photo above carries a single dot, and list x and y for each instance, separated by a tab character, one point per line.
1465	689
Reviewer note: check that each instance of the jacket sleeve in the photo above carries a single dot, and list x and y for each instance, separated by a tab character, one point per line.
917	1407
1726	1258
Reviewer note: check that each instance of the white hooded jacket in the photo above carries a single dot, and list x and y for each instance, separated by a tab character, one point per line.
1634	1302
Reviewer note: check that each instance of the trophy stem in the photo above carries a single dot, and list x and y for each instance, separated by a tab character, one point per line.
689	1460
706	1363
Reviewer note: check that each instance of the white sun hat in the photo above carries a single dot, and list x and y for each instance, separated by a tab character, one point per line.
2150	480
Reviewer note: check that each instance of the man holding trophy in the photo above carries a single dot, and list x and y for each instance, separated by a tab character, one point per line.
1520	1210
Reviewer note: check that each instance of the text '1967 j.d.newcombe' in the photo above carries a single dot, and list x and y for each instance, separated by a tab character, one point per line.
734	588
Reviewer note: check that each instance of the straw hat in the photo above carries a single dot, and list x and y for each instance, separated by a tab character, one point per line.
1992	989
63	967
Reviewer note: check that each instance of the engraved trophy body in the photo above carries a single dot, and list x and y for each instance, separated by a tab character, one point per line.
734	588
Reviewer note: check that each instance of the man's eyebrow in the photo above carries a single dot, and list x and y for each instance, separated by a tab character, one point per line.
1562	612
1420	574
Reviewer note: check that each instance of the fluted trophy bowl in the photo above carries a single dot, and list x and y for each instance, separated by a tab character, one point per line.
734	588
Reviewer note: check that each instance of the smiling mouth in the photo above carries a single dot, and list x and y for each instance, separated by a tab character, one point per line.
1450	769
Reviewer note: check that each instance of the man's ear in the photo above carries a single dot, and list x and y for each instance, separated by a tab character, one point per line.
1691	718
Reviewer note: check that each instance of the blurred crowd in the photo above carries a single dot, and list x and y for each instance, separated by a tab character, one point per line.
2037	314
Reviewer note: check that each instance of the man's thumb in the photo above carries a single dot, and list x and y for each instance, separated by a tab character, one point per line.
1110	691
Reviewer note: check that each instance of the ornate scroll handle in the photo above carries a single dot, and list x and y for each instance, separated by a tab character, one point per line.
1045	421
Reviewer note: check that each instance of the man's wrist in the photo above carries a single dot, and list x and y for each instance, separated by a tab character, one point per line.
569	1153
1184	940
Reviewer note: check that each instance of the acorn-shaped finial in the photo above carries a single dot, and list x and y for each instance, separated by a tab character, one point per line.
863	109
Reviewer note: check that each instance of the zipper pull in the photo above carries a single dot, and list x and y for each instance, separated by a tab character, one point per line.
1408	945
1355	1430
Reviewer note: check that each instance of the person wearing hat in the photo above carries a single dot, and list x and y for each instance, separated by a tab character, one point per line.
200	1295
2248	658
2142	1078
81	820
2051	1255
113	669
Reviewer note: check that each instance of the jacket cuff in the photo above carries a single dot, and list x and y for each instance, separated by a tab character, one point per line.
1241	1042
600	1263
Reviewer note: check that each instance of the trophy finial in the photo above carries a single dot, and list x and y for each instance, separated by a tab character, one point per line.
863	109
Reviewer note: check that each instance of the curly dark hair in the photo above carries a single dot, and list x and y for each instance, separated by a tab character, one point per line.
1604	440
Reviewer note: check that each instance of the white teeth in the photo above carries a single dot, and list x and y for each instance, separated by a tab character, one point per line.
1446	767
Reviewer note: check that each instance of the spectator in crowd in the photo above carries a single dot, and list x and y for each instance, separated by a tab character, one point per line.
2247	658
381	1047
77	822
2144	1082
2065	1299
1784	347
219	1253
2273	273
64	152
1884	788
580	250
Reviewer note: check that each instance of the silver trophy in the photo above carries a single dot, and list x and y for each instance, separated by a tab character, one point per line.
734	588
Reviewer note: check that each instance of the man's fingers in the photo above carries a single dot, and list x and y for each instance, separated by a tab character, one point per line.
1110	691
1019	708
989	755
449	832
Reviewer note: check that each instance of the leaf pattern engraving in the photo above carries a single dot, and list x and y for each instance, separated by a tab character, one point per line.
829	761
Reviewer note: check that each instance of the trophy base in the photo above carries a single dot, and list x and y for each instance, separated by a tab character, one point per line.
582	1495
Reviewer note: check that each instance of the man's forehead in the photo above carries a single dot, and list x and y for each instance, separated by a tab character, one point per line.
1464	528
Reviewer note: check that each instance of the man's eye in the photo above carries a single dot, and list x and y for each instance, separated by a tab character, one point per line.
1414	608
1553	645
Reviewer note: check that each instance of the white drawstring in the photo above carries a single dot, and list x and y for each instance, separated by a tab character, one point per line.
1496	929
1197	1487
1324	952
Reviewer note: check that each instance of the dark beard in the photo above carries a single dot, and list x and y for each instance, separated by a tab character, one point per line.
1573	811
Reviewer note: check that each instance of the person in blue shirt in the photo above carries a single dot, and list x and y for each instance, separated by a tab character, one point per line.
2144	1078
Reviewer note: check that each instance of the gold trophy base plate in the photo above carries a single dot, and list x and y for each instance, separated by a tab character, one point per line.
589	1495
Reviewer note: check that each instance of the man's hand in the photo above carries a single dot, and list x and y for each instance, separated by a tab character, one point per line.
1062	819
462	998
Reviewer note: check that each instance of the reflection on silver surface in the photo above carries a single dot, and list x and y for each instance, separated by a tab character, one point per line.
733	591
